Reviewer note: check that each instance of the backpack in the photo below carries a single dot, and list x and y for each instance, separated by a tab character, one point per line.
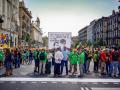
42	56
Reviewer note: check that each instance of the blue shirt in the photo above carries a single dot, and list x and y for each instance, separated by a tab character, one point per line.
65	55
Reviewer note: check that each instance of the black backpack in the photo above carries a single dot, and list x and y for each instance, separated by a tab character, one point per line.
42	56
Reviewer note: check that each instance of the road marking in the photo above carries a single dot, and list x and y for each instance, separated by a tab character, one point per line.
43	82
23	82
115	83
33	82
59	79
82	88
94	83
105	88
54	82
64	82
74	82
84	83
86	88
13	82
104	83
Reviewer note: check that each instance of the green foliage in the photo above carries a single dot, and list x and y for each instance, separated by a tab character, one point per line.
26	37
98	42
45	41
89	43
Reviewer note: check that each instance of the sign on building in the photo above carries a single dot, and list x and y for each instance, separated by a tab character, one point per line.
59	39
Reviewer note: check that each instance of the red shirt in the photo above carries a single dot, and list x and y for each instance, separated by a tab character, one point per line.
15	53
111	56
103	57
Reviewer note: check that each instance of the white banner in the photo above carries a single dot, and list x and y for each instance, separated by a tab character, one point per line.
59	39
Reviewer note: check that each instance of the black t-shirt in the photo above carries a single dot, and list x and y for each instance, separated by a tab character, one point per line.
115	56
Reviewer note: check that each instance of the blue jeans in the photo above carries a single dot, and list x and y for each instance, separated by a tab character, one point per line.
30	60
81	67
86	66
63	62
109	68
119	68
115	67
17	62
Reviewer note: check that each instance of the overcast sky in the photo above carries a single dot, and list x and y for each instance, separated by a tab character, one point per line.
69	15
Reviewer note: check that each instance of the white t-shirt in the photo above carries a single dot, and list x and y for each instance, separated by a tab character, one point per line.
58	57
49	57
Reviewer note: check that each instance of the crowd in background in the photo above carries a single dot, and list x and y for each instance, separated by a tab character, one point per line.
75	61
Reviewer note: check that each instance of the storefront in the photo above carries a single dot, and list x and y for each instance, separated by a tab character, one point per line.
9	40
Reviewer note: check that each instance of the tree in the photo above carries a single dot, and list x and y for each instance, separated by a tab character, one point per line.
89	43
98	42
27	37
45	41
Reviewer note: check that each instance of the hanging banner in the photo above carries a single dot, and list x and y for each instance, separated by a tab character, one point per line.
59	39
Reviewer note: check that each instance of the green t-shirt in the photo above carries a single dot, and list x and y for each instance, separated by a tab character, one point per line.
27	54
74	58
81	58
1	56
70	56
95	57
35	53
45	60
23	56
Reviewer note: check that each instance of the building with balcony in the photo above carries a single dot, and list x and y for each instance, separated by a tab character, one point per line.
36	34
90	32
100	30
113	32
9	12
82	35
25	17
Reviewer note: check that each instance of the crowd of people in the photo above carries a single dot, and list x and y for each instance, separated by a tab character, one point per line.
106	61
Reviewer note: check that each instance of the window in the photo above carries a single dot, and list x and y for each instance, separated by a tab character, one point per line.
23	17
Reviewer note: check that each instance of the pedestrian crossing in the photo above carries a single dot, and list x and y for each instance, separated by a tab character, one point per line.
103	89
55	82
84	84
59	79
